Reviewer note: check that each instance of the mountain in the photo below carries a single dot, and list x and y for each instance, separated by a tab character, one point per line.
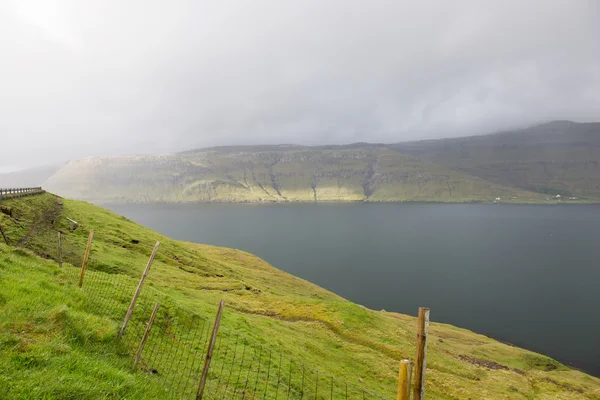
359	172
525	165
32	177
560	157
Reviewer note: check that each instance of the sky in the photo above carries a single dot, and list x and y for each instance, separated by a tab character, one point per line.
87	78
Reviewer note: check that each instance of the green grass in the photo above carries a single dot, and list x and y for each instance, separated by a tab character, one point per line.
267	306
51	346
555	158
296	174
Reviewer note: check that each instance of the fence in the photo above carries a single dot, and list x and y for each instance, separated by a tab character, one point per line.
173	343
19	192
243	368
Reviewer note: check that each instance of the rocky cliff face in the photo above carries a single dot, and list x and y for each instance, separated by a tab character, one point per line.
271	174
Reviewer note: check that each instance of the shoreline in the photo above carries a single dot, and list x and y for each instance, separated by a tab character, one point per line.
339	202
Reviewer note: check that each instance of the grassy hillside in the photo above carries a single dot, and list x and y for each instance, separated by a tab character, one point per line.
274	174
51	346
561	157
43	357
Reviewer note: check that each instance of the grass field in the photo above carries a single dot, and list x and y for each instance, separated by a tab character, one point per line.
51	346
275	174
55	344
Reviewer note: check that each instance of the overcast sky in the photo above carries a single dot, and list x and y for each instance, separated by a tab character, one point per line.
111	77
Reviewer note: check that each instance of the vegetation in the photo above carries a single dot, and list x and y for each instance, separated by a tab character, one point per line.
531	165
561	158
275	174
52	345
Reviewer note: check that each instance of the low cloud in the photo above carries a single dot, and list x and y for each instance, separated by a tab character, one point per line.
124	77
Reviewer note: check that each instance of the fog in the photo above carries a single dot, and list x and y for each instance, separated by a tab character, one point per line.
82	78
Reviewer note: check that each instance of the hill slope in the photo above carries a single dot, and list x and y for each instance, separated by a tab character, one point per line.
560	157
32	177
272	307
51	346
273	174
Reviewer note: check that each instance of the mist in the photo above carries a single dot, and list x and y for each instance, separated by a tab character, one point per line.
81	78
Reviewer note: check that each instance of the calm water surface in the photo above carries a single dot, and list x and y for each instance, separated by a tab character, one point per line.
528	275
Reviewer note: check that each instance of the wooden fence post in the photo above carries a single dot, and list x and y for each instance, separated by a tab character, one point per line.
85	257
138	290
4	235
211	346
404	380
59	250
145	337
421	359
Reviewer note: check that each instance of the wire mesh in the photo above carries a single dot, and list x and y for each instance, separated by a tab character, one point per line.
244	369
176	346
175	349
107	294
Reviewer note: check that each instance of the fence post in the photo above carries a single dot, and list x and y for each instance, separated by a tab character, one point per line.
211	346
4	235
145	337
404	380
59	250
421	359
138	290
85	257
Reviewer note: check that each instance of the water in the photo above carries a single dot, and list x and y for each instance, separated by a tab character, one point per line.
528	275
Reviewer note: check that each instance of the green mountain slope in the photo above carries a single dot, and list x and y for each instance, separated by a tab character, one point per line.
50	342
560	157
273	174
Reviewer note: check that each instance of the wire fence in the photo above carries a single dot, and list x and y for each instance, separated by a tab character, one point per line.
243	369
176	345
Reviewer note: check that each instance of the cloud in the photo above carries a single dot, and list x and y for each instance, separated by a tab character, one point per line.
124	77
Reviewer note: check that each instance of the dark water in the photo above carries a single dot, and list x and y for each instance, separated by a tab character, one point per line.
528	275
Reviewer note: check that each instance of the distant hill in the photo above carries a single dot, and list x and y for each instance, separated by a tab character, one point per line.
32	177
560	157
359	172
526	165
